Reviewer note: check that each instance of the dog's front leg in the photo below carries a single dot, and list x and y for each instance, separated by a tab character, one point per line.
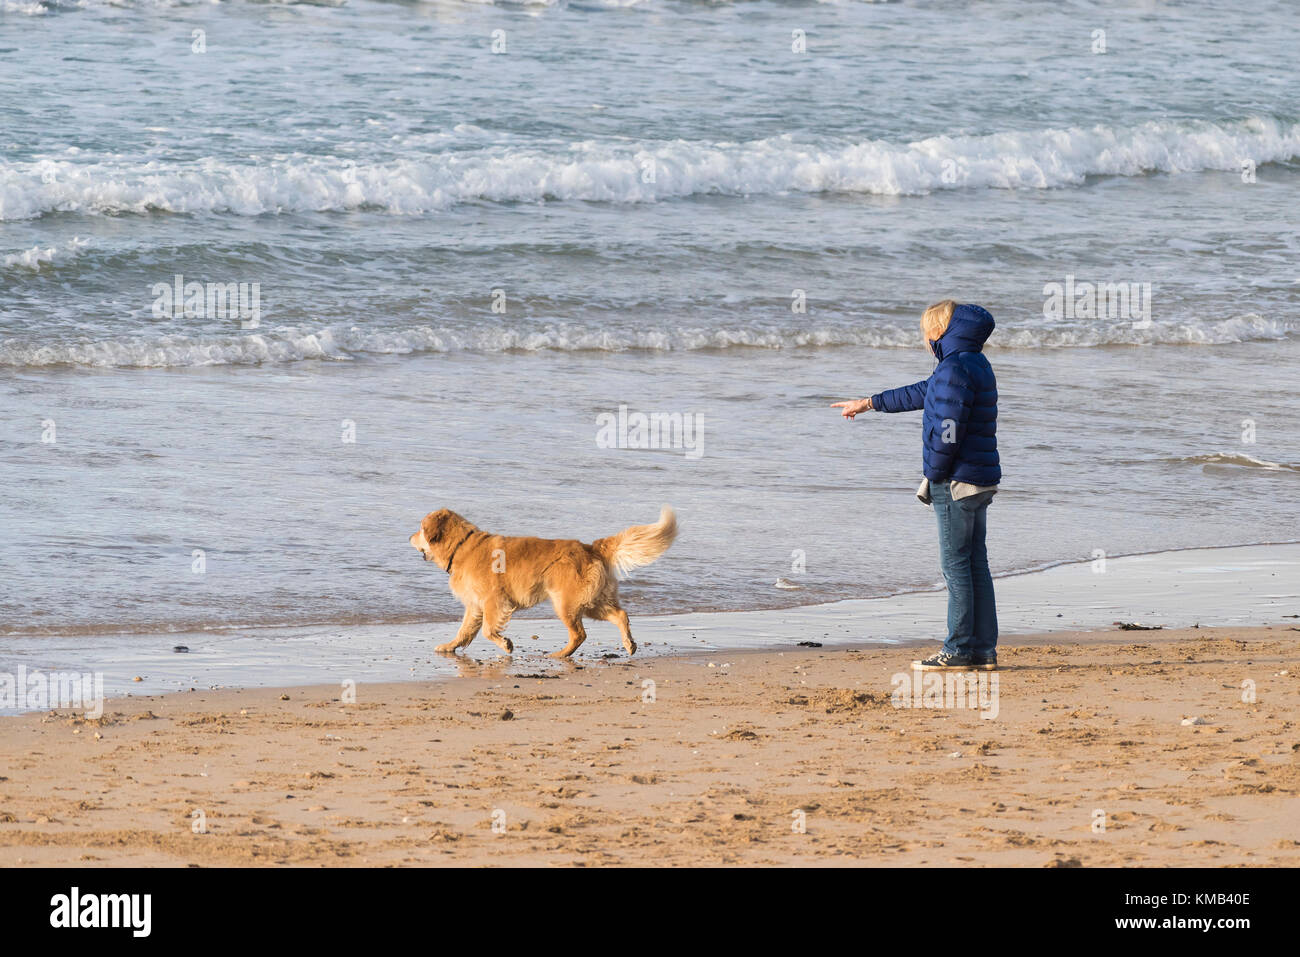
469	626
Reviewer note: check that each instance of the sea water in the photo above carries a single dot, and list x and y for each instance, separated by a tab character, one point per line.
278	279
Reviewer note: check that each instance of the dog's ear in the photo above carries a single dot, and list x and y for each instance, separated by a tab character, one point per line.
434	525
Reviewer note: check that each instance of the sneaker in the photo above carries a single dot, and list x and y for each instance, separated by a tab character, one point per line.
942	662
984	662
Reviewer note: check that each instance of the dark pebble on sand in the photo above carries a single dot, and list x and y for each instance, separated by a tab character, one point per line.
810	644
507	716
180	648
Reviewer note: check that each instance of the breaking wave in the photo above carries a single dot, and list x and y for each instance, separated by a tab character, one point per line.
619	172
1237	460
343	341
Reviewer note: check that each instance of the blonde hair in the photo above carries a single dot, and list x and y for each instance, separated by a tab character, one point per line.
934	321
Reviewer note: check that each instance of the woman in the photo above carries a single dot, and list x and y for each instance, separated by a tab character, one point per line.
962	472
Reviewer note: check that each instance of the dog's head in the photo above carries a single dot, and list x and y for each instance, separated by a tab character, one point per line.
438	535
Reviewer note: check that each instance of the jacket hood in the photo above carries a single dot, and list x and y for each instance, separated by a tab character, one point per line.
968	330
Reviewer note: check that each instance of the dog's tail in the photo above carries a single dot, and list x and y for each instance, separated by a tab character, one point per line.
638	545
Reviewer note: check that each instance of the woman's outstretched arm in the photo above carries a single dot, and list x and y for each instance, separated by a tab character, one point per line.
907	398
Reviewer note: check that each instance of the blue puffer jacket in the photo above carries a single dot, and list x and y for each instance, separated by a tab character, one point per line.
961	403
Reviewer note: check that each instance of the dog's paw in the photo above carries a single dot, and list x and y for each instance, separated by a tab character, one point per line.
629	646
448	649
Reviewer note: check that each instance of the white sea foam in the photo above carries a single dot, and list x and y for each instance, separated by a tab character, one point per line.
1251	327
342	342
39	256
168	4
617	172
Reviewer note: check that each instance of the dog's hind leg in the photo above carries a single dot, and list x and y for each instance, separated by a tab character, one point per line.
495	618
469	626
619	617
569	612
577	635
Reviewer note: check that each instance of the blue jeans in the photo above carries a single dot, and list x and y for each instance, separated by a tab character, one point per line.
972	617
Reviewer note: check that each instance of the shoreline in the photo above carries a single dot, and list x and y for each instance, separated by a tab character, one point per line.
1226	586
120	632
728	753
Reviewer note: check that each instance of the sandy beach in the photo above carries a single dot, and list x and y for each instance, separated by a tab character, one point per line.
1169	747
336	334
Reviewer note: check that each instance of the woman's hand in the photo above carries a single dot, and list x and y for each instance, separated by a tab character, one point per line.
852	408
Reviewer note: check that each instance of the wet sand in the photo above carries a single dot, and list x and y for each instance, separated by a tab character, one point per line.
753	758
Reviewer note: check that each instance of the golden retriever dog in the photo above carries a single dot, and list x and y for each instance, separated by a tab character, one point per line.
495	575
